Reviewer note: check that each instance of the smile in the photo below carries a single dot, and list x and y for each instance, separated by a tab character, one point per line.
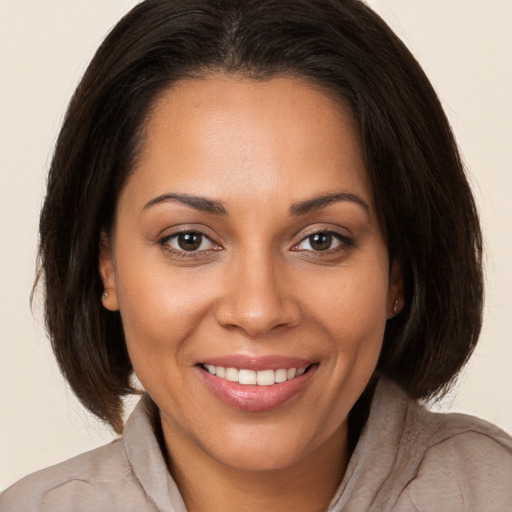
256	385
255	378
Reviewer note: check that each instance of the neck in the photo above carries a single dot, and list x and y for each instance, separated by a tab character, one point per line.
308	485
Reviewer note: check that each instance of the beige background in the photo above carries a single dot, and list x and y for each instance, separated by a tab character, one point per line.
465	47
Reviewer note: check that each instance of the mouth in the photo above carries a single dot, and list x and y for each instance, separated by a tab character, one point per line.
257	385
248	377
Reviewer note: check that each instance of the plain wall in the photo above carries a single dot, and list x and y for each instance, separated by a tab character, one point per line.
465	46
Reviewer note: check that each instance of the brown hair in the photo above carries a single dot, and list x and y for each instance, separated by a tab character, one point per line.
422	196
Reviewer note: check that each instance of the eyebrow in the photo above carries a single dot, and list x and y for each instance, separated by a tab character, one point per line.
202	204
324	200
215	207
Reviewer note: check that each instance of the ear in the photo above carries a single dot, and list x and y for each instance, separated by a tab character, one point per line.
107	273
395	299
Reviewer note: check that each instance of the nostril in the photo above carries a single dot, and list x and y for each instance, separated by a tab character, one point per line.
256	315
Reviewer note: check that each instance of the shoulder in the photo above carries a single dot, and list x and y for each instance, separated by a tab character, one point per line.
86	482
466	464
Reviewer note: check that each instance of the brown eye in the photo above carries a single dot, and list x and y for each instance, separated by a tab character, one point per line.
320	241
189	241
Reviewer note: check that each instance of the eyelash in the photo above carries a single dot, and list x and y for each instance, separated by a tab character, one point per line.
182	253
345	243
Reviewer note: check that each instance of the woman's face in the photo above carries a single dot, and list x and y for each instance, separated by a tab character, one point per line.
246	251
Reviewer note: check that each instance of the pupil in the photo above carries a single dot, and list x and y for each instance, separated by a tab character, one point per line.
320	241
189	241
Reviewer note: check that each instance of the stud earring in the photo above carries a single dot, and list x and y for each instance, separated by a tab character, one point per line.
395	307
104	296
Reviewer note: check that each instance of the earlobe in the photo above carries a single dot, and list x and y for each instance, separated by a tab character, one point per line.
395	299
106	268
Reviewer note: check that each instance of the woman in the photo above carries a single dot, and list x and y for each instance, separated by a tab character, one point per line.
259	209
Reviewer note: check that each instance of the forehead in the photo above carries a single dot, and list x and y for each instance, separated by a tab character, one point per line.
226	136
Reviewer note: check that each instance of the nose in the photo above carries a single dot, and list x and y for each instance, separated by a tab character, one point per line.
258	297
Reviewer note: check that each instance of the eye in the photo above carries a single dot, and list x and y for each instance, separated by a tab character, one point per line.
323	241
188	241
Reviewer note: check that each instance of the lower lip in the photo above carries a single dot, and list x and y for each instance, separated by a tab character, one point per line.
256	398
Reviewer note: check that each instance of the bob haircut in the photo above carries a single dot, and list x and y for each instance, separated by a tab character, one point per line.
424	203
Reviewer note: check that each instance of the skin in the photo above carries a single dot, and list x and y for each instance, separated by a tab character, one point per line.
255	286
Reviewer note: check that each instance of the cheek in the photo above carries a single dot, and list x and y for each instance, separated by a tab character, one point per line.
353	312
354	300
159	306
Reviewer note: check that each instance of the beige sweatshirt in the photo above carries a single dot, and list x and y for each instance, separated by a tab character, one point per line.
407	459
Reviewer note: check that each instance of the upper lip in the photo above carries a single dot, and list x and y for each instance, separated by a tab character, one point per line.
256	363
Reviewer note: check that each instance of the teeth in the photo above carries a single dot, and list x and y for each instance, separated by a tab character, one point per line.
232	374
266	377
247	377
281	375
251	377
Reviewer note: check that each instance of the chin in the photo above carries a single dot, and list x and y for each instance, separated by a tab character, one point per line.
268	448
260	459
